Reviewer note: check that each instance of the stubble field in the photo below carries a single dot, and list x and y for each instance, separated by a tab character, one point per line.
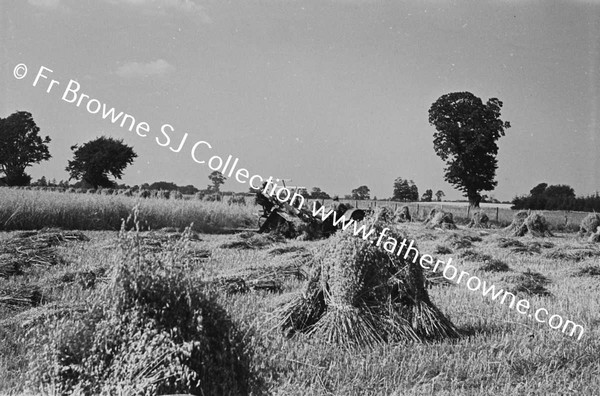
248	276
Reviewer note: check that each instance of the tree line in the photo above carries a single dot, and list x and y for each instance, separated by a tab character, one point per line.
465	138
556	197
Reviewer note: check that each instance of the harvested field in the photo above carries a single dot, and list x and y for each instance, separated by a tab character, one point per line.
249	276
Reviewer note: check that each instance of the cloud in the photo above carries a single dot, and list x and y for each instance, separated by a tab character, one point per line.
141	70
163	6
45	3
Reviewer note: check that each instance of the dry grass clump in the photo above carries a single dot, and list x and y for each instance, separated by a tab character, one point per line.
589	225
533	224
403	214
286	249
33	249
459	241
575	254
531	248
251	240
473	255
236	284
359	294
85	279
440	219
268	279
383	214
489	263
507	242
528	282
588	270
595	237
386	215
154	329
442	249
494	265
479	220
18	296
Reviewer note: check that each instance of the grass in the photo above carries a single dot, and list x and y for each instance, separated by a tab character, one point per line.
31	210
502	352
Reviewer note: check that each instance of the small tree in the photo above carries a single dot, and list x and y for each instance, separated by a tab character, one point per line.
439	195
20	147
95	160
362	192
427	196
317	193
467	132
217	180
405	190
42	182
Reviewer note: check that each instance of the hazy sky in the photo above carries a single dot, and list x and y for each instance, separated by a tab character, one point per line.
328	93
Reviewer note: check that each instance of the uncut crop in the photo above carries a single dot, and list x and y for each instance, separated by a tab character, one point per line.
29	210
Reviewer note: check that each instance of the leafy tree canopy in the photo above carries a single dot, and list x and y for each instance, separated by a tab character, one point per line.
95	160
362	192
427	196
467	132
217	180
20	147
405	190
317	193
163	185
439	195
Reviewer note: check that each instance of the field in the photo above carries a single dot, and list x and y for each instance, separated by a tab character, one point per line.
248	276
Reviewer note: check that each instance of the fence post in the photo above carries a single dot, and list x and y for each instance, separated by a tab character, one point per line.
374	204
468	211
356	203
497	210
322	201
395	207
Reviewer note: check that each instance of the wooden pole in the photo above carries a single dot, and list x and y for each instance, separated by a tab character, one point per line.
497	211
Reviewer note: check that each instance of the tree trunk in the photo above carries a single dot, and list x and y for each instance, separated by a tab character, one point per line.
474	199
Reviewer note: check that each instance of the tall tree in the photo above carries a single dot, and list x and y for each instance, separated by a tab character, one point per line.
217	180
439	195
414	191
20	147
467	132
362	192
95	160
401	190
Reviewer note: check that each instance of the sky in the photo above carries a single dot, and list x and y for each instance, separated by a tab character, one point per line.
327	93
